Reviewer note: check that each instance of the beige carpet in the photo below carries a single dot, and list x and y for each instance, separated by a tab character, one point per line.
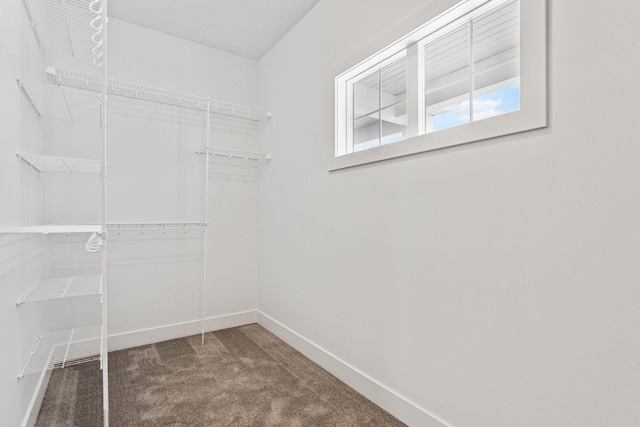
241	377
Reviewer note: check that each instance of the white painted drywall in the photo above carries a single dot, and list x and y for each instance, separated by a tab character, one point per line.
155	176
10	69
21	202
494	284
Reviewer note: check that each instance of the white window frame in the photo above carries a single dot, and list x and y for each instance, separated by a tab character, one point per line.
349	148
533	90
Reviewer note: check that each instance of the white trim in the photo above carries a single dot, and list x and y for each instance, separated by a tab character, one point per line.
397	405
124	340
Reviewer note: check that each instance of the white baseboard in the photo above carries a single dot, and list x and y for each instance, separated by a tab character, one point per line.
397	405
140	337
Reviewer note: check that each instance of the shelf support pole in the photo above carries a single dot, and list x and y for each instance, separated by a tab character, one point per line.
206	218
104	349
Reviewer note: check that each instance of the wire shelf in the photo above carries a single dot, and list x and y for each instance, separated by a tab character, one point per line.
51	229
166	226
43	163
63	287
67	26
151	94
62	349
235	154
96	228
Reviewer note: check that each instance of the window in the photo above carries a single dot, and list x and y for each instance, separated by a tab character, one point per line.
475	71
378	110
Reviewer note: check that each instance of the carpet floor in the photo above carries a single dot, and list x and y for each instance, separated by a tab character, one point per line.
242	376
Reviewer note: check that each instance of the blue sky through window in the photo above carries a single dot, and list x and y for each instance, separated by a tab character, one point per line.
491	104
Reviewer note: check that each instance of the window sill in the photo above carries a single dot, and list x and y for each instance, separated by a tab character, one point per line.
506	124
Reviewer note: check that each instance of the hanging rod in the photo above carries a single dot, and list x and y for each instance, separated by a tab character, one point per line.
235	154
31	101
96	228
172	226
155	95
51	229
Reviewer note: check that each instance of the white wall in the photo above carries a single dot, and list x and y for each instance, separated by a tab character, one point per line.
493	284
10	69
155	176
21	194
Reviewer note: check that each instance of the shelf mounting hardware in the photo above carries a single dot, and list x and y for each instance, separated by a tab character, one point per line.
33	25
230	153
19	156
31	101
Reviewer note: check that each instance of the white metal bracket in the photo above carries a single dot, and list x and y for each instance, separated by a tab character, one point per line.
19	156
31	101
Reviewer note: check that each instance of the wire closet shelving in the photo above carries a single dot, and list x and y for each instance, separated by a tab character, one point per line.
150	94
45	163
229	153
63	348
63	287
52	229
79	27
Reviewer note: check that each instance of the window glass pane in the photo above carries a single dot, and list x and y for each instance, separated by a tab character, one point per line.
495	103
365	95
366	111
448	79
394	123
496	51
393	80
449	119
366	132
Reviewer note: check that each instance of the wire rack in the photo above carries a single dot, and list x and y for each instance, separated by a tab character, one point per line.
63	287
52	229
96	228
62	349
151	94
67	26
43	163
166	226
235	154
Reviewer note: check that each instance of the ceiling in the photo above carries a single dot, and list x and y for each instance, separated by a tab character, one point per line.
247	28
